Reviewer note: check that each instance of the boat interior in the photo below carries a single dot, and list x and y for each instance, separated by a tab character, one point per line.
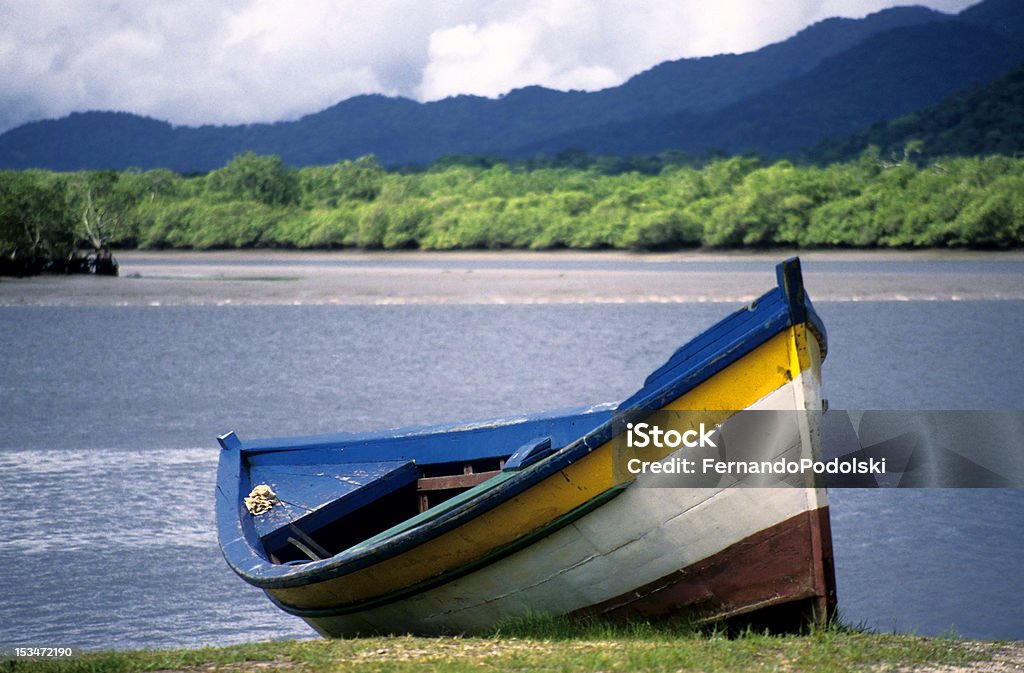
338	494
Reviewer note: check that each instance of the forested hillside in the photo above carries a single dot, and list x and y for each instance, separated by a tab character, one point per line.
978	121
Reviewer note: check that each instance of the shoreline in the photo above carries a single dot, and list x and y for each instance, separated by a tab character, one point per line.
287	277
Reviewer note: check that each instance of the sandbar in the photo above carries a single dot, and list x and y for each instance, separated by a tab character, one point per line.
224	278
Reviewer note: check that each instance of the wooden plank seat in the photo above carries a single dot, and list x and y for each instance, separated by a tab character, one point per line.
436	489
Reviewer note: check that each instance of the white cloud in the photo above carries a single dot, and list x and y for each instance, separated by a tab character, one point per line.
543	45
236	61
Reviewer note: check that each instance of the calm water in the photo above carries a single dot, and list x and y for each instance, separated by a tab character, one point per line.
108	418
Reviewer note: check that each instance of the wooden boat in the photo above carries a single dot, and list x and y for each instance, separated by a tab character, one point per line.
457	528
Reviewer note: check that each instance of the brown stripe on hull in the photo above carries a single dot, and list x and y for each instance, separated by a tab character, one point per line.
788	563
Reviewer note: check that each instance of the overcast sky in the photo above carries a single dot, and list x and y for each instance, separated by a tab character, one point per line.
235	61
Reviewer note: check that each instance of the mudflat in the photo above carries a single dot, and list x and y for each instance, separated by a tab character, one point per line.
353	277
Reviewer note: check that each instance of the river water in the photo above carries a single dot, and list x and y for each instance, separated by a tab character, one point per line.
108	417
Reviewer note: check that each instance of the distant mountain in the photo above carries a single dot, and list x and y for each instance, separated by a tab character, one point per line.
885	76
978	121
827	81
1004	16
703	85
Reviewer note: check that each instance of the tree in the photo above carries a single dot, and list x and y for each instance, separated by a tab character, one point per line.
253	177
362	179
36	228
101	201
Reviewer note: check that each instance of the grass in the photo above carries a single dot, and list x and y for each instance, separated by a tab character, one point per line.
563	646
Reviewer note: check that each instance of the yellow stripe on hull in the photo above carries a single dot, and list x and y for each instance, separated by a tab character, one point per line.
742	383
752	377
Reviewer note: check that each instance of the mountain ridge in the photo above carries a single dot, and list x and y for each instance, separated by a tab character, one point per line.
787	118
734	102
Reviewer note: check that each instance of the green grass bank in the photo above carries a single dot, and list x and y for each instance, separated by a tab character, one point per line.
557	648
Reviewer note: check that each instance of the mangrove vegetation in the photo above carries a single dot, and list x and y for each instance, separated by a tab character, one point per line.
51	220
